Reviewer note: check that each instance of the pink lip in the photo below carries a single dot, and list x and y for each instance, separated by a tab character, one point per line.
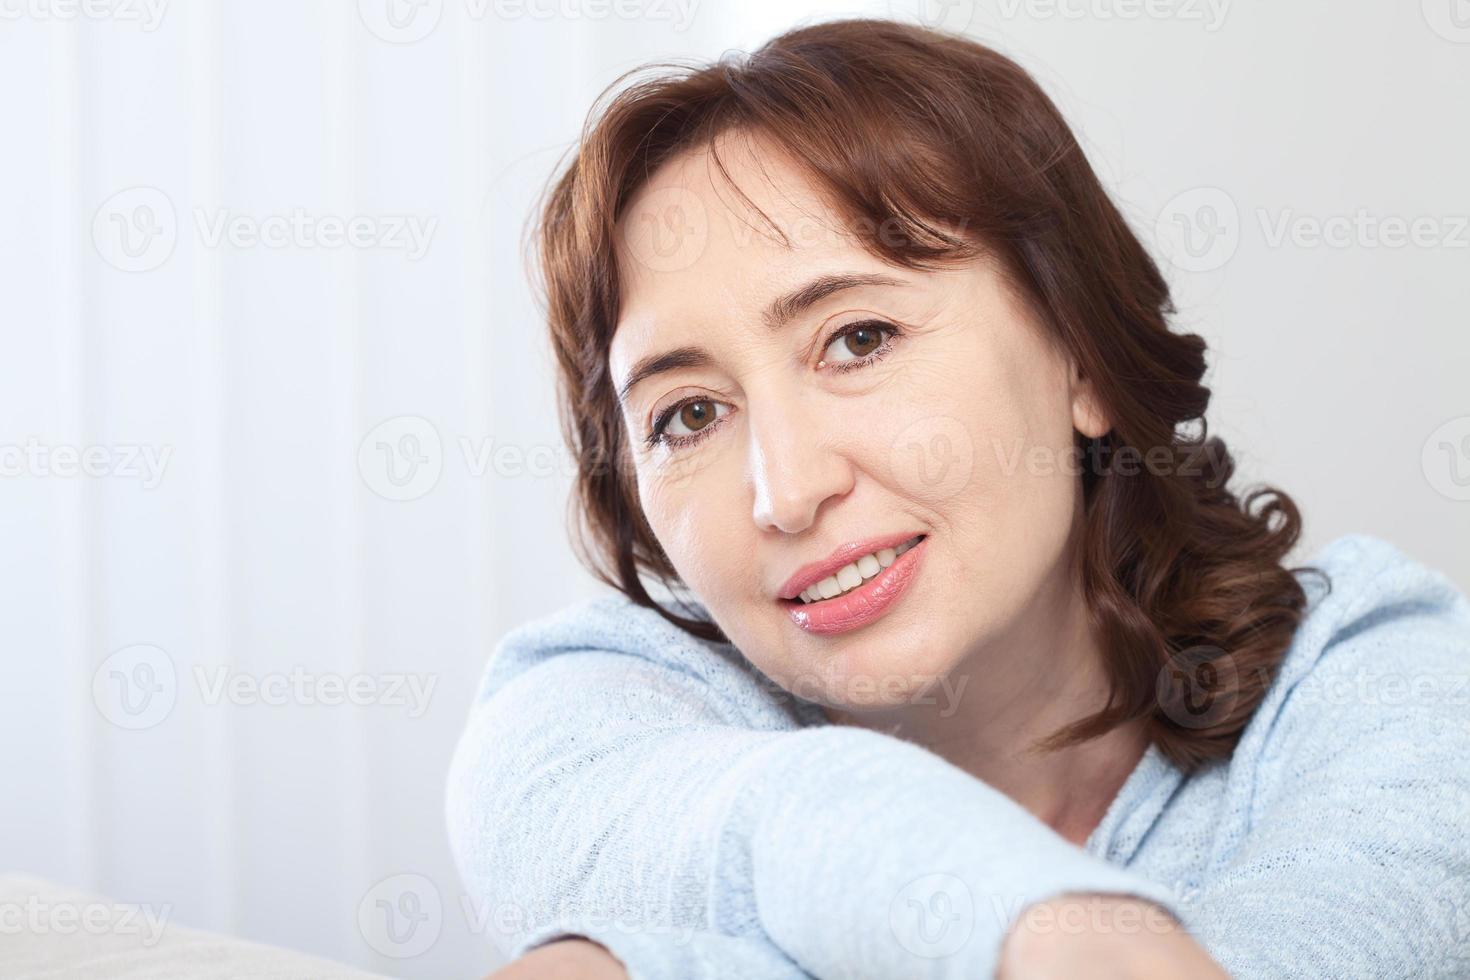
863	604
845	555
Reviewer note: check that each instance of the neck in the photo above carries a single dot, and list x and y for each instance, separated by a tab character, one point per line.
1044	673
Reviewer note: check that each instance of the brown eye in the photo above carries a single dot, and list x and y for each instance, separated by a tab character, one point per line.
858	344
696	415
685	422
863	341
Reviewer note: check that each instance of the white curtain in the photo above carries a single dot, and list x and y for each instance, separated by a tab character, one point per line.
277	426
279	439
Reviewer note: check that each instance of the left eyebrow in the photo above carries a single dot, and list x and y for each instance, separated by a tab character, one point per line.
786	308
777	315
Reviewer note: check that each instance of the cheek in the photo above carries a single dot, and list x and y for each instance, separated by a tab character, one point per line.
695	510
1026	477
982	442
979	425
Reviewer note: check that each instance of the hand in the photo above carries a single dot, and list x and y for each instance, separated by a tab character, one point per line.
564	959
1102	937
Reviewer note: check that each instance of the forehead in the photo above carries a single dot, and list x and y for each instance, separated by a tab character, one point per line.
742	195
696	241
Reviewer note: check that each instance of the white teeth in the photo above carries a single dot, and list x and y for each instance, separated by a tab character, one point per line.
850	576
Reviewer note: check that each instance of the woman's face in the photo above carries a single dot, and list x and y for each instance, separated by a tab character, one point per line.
834	399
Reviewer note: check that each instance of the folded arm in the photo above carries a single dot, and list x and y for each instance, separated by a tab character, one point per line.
674	796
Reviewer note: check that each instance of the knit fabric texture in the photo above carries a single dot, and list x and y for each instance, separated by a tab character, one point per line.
621	780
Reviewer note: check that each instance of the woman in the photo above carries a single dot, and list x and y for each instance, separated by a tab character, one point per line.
975	666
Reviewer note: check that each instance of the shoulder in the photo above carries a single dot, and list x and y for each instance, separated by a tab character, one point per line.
1378	669
1379	607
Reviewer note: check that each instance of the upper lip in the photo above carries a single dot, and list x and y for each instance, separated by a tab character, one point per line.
843	555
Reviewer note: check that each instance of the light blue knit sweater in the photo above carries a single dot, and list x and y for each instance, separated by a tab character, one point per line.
621	780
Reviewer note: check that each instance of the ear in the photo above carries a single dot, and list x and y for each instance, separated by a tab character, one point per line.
1088	416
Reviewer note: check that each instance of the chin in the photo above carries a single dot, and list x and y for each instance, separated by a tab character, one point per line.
886	669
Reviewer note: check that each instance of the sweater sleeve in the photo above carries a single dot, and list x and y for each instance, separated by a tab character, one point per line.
1356	858
597	782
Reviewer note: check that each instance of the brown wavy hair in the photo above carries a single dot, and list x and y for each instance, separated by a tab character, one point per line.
912	134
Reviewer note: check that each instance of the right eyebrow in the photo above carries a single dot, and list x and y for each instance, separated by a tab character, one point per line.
671	360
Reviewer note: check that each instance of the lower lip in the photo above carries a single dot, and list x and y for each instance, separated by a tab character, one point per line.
864	604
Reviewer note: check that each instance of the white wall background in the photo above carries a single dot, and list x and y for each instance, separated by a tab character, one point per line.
269	542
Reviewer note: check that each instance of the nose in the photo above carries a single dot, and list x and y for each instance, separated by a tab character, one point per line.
796	466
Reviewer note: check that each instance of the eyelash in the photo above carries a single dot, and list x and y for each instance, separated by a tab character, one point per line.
841	367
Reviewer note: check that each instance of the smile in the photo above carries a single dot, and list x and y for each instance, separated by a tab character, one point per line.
858	592
853	574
